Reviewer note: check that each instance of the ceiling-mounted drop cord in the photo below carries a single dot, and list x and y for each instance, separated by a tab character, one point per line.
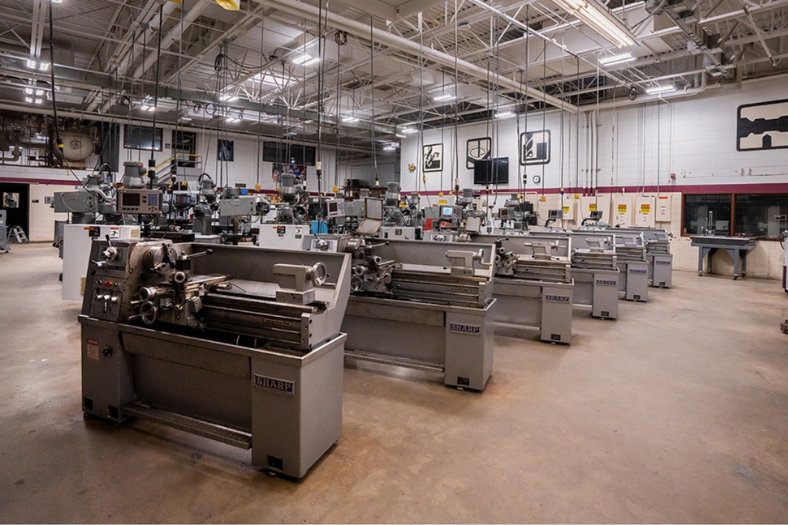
260	98
527	61
152	160
544	101
372	93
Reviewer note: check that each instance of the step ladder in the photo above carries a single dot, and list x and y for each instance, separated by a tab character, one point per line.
19	234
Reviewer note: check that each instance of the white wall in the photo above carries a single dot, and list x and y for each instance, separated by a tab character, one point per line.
639	146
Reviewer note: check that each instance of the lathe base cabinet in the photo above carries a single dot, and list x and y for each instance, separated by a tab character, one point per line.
285	406
527	304
458	340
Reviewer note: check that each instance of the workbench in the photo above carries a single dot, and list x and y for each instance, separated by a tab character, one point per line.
737	248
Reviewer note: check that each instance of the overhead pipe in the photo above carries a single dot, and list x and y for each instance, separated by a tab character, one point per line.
360	30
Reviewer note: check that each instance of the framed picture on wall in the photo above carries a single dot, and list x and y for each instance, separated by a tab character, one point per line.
477	149
535	147
762	126
432	157
226	150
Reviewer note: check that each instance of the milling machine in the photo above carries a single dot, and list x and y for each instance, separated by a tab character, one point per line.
236	344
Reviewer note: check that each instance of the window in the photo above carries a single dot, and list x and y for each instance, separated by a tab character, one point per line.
137	137
749	215
699	209
761	215
288	153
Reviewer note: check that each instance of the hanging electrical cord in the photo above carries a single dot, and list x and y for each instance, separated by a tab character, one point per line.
561	128
152	160
340	42
577	131
527	62
261	75
372	95
456	102
544	101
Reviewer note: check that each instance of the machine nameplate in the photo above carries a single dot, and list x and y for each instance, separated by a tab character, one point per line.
92	348
606	282
557	298
637	271
664	262
279	386
278	322
465	329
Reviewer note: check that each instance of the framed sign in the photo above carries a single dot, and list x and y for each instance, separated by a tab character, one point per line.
477	149
226	150
535	147
762	126
432	157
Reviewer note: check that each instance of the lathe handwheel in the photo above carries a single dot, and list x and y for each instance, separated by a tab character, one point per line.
318	273
149	312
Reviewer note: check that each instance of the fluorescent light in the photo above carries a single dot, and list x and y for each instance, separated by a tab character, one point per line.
504	114
31	64
28	91
232	119
348	118
444	97
39	92
57	1
39	101
389	148
660	89
616	59
43	66
146	107
228	97
305	60
597	17
408	131
29	100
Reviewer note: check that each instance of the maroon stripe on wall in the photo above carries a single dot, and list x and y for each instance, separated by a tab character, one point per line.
767	187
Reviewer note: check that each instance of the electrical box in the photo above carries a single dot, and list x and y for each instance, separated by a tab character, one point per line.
645	212
663	208
621	210
569	207
77	240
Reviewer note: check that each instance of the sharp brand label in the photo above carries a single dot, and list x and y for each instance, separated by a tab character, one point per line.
466	329
279	386
637	271
605	282
556	298
664	262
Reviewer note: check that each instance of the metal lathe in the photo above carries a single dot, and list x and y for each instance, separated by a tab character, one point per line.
237	344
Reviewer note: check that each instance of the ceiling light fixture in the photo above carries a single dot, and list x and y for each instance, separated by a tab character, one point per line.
597	17
447	96
39	101
616	59
657	90
390	147
43	66
349	118
228	97
29	100
504	114
408	131
305	60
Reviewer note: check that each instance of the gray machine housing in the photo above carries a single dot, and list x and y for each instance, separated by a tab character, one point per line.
533	285
424	305
258	368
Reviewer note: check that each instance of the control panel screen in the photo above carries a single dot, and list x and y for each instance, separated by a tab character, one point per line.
130	199
447	211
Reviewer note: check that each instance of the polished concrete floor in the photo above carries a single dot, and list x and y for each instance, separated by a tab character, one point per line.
677	412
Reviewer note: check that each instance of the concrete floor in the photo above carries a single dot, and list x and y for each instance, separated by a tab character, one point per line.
677	412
